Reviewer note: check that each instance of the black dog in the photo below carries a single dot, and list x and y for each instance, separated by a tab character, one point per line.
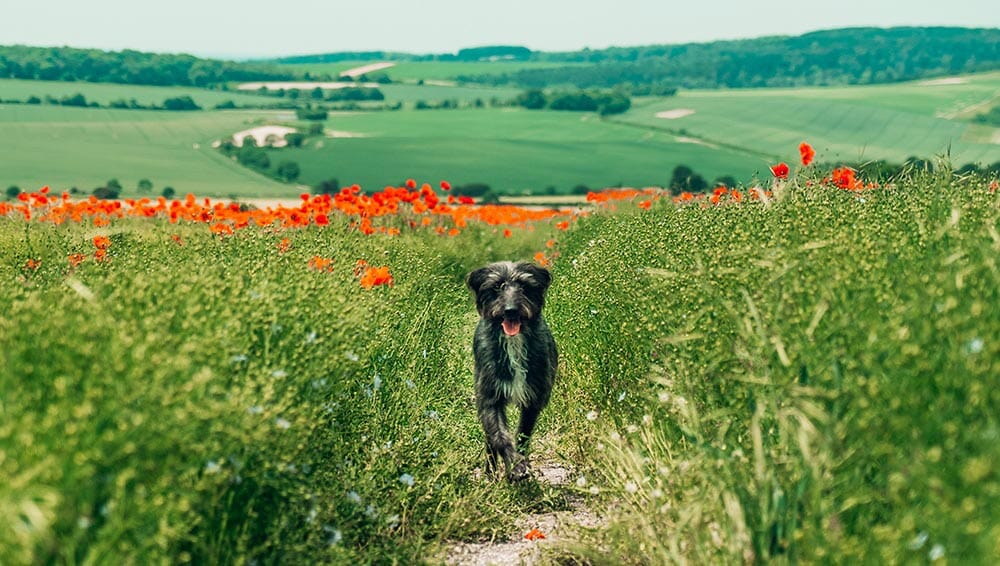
516	357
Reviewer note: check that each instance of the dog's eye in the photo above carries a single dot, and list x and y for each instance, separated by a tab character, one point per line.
501	286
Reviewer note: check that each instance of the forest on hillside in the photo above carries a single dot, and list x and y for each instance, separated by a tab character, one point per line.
835	57
129	67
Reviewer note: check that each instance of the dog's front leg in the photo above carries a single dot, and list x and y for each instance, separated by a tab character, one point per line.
529	416
493	417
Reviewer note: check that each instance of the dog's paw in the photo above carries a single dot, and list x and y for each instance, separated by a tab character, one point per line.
521	471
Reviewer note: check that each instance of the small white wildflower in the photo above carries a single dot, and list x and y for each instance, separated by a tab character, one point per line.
371	511
936	553
279	373
861	200
918	541
664	471
212	467
352	356
581	481
594	490
621	397
256	295
592	416
392	520
974	346
255	410
631	487
281	423
664	397
335	535
406	479
657	493
319	383
681	402
410	384
353	497
377	382
425	353
647	420
615	436
593	312
311	337
238	358
632	429
83	522
312	515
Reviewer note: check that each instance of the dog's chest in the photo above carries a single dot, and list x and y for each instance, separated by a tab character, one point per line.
516	389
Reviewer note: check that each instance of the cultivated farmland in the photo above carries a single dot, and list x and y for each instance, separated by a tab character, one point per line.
85	147
892	122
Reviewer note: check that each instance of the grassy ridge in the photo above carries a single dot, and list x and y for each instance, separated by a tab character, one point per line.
809	379
822	377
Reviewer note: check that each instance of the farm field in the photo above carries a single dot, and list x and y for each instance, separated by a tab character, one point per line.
85	147
513	150
809	375
104	93
715	133
858	123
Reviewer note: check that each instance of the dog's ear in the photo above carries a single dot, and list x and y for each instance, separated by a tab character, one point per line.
476	279
541	275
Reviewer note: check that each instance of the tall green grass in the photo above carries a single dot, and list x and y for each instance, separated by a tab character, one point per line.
814	380
218	402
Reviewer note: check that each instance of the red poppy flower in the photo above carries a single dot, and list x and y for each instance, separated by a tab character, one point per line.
780	170
807	153
534	534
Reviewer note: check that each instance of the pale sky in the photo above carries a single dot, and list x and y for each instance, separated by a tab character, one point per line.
252	28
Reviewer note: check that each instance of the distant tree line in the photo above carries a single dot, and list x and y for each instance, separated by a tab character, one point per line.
351	93
130	67
79	100
603	102
834	57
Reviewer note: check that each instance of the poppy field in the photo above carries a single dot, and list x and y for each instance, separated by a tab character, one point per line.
804	369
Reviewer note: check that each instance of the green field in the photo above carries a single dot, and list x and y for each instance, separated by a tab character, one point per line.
809	380
512	150
413	71
736	132
104	93
890	122
85	147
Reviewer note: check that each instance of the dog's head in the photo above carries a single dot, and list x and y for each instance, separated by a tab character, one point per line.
509	294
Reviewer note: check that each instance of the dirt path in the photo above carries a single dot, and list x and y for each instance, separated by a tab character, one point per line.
553	524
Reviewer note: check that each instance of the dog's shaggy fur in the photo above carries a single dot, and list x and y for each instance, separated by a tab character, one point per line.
516	357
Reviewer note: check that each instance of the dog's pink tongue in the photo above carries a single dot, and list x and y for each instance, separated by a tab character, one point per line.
511	327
